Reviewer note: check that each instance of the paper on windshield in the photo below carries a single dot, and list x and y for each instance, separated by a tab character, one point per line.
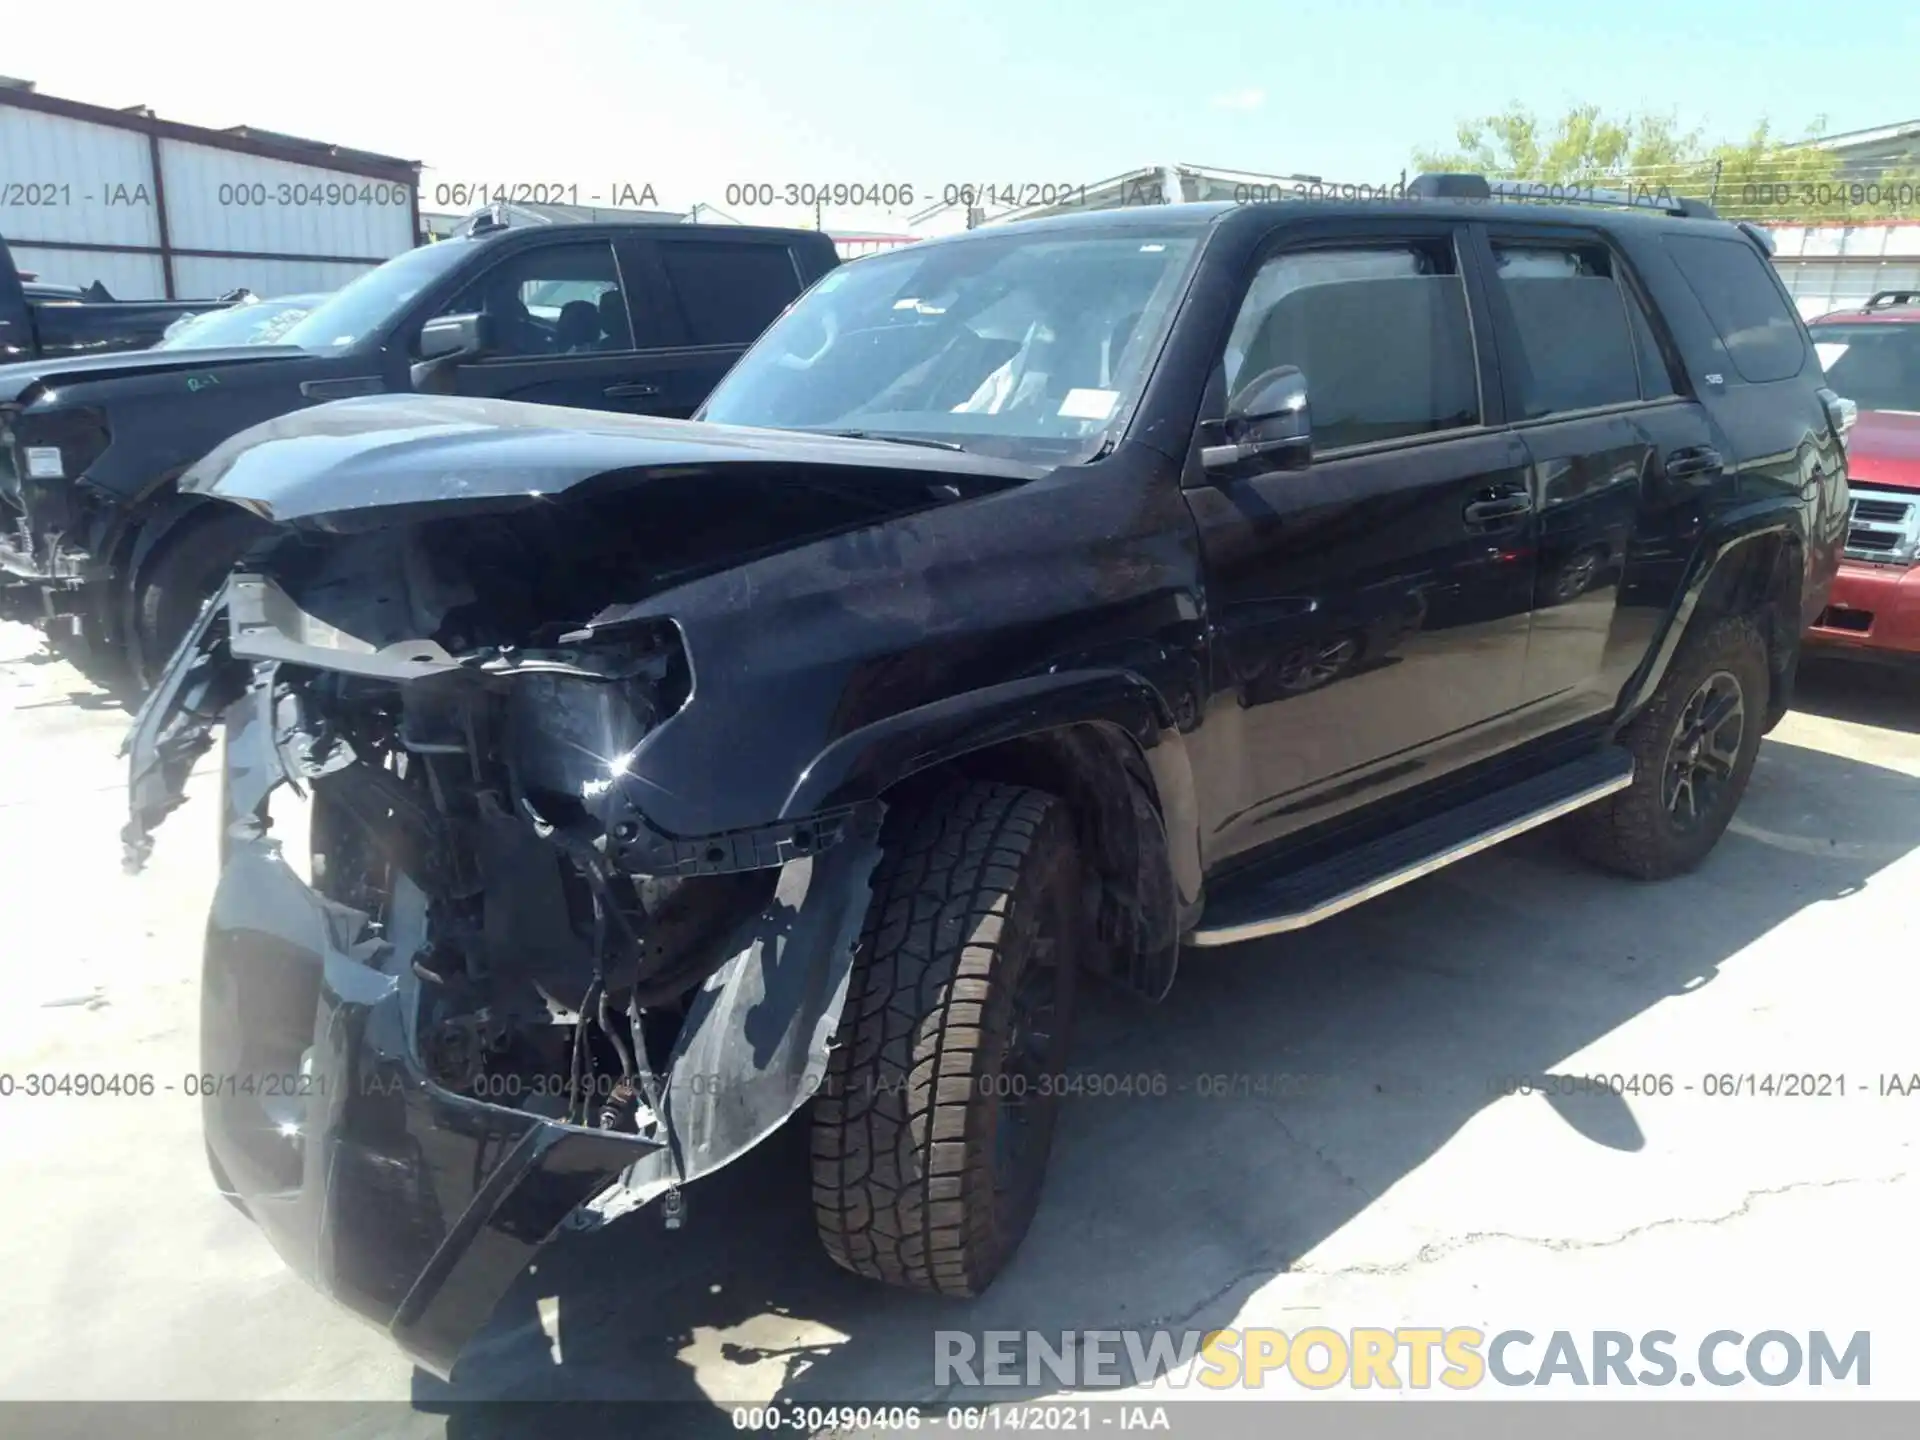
1089	404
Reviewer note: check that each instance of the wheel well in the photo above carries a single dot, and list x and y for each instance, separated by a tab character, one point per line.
125	543
1762	578
1099	772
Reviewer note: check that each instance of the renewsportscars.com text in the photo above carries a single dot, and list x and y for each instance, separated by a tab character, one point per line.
1405	1357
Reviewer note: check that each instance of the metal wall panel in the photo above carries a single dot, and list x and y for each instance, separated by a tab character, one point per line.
226	200
1818	287
97	178
127	275
1839	267
203	275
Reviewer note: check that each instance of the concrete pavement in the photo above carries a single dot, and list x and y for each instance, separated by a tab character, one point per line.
1388	1180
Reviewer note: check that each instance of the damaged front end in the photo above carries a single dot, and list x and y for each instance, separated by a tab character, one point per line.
492	998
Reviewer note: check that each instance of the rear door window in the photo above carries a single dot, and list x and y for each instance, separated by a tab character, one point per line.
1656	376
729	291
1571	320
1736	288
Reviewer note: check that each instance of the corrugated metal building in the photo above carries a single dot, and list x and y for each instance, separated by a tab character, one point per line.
440	224
1145	185
1838	266
852	244
1870	154
151	208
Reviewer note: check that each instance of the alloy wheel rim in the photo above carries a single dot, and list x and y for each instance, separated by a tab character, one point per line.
1025	1070
1704	750
1319	665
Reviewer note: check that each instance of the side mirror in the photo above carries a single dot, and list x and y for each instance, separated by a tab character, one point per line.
444	343
448	336
1268	426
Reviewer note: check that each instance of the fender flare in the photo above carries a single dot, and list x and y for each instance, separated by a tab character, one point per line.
862	764
1719	550
1104	731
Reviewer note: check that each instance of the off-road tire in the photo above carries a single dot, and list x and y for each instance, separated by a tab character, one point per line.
188	566
978	889
1633	832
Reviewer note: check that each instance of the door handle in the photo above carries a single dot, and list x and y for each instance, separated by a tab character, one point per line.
630	392
1698	460
1496	508
342	388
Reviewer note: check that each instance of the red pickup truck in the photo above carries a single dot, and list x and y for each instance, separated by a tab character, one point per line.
1872	357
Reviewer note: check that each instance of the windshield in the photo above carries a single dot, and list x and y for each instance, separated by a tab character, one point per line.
363	307
1027	346
1877	366
262	323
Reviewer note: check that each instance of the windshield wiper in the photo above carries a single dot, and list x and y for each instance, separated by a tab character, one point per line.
919	440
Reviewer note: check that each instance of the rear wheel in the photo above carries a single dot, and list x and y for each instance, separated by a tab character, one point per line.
1693	749
189	566
930	1138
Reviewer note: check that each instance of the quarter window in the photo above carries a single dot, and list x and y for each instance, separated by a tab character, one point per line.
1381	335
1577	348
1737	290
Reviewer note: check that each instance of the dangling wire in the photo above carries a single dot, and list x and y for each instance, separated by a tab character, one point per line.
599	966
576	1092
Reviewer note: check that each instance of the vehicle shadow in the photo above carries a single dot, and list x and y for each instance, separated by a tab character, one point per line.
1400	1021
1861	691
107	671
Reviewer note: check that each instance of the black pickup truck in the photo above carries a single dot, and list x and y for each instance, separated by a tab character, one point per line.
46	322
637	318
1027	604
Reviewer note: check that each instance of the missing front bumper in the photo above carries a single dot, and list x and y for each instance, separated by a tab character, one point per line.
414	1206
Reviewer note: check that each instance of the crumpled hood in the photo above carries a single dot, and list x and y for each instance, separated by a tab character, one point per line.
18	382
351	464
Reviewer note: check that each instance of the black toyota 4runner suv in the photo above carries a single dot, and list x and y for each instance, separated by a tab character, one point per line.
1024	606
640	319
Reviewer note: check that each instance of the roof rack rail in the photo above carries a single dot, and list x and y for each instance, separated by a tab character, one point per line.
1886	299
1586	195
1458	185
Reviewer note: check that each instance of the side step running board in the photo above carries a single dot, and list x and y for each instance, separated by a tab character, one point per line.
1268	904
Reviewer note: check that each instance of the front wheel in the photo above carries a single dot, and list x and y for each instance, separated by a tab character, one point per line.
1693	751
930	1137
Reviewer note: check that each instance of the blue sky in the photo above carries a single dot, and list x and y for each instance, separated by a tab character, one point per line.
690	96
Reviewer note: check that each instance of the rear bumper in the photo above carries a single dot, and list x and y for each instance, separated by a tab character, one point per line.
1871	607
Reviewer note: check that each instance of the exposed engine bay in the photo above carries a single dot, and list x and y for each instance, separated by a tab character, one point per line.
555	981
455	745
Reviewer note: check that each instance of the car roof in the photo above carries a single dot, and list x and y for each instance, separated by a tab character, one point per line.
1200	217
672	230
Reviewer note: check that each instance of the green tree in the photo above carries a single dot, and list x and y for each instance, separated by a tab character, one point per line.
1581	145
1762	177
